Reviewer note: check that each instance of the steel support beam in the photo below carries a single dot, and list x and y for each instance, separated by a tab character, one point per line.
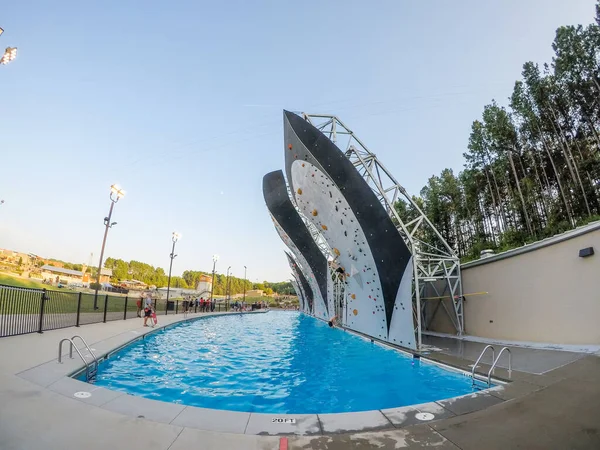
435	263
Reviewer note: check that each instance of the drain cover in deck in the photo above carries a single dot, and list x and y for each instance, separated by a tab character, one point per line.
425	416
82	394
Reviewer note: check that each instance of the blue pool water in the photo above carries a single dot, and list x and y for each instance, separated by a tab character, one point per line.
278	362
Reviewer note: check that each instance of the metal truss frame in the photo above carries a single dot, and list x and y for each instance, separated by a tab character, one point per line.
312	229
436	266
339	296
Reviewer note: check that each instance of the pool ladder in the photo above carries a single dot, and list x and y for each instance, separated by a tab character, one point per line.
91	369
494	363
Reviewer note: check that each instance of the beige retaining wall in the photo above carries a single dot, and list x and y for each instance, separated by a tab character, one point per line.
543	292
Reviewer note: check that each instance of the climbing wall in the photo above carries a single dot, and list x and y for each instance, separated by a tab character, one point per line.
367	247
305	287
322	202
293	232
299	292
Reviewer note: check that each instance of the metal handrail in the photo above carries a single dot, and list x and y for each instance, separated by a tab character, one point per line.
87	366
479	359
86	346
496	362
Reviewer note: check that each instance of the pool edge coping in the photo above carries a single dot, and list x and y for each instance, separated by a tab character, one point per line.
262	423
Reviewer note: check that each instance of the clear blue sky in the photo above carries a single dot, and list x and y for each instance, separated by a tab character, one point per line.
181	103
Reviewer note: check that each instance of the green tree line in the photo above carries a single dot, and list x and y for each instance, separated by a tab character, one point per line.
532	167
135	270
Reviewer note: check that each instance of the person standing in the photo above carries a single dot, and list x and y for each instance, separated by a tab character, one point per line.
139	305
148	311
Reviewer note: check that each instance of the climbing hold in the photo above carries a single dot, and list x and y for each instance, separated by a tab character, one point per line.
336	251
353	296
324	227
290	146
314	212
299	191
303	166
355	312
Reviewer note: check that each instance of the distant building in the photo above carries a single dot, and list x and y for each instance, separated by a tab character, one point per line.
133	284
255	293
60	275
105	275
204	285
52	262
14	257
175	292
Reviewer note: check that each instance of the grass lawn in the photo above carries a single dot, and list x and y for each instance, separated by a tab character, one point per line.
22	282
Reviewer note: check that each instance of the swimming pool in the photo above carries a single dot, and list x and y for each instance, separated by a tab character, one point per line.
278	362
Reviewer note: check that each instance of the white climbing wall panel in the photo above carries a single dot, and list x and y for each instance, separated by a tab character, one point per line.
320	310
319	199
299	291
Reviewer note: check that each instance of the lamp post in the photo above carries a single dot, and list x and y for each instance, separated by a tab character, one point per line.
9	54
116	193
175	237
245	268
212	287
227	287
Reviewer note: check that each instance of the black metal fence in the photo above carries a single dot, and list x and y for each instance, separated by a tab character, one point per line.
24	310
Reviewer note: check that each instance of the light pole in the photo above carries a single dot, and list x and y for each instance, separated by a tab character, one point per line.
116	193
245	268
212	286
175	237
227	287
9	54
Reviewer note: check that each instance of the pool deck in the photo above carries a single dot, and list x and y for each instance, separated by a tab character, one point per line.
552	402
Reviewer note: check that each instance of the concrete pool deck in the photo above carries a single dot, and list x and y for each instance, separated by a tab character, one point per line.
559	409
